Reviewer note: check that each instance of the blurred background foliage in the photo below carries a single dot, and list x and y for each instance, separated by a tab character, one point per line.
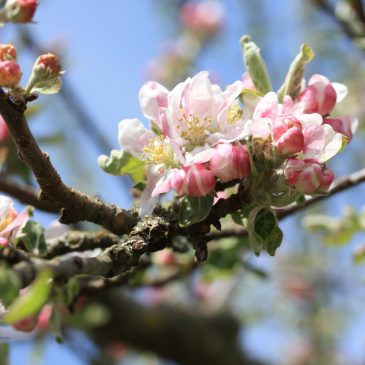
305	305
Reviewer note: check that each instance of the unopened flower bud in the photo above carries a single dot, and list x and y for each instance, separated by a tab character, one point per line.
319	97
345	125
230	162
7	52
26	325
195	180
45	77
20	11
10	73
307	176
47	66
288	136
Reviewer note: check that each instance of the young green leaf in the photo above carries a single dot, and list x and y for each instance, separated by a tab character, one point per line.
255	65
293	80
195	209
122	163
263	230
32	235
33	300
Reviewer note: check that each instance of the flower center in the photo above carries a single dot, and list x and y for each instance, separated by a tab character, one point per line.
158	151
234	113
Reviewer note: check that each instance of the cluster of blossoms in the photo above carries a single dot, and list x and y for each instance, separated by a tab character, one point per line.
202	134
45	76
10	220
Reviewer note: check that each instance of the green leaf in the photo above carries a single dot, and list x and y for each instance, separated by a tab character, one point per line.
255	65
293	80
32	235
263	230
33	300
122	163
52	86
9	286
195	209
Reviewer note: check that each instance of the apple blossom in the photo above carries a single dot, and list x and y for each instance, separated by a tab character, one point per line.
7	52
10	220
20	11
204	17
10	74
307	176
230	162
321	95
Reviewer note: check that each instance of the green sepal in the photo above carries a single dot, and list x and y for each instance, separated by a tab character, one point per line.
52	86
195	209
121	163
293	80
255	65
32	301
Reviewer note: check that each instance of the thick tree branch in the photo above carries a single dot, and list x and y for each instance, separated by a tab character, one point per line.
184	337
26	195
73	205
76	241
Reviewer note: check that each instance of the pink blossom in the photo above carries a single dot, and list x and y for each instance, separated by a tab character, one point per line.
203	17
247	82
344	125
26	325
320	96
307	176
20	11
230	162
10	73
288	136
7	52
10	220
195	180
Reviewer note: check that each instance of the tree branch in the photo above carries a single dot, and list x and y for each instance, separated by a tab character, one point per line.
26	195
73	205
183	337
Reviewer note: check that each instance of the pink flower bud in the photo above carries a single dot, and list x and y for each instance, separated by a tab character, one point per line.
10	74
26	325
328	177
195	180
3	242
7	52
319	97
47	66
230	162
44	317
288	136
20	11
307	176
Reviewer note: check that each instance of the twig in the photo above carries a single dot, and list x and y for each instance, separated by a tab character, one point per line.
341	184
73	205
